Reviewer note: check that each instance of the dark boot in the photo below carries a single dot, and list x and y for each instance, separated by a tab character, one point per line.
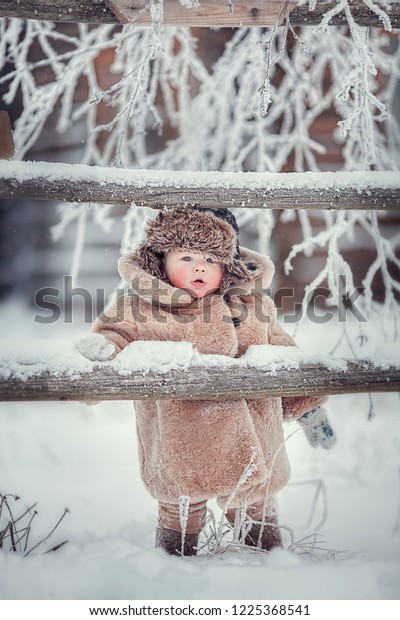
270	534
171	542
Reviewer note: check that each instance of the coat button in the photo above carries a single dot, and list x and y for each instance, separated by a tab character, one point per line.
236	321
226	298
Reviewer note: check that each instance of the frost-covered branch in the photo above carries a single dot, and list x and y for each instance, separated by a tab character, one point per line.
160	86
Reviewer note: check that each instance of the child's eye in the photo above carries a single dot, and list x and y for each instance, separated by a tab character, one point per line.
210	260
186	258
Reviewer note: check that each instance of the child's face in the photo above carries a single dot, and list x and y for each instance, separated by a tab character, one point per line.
199	274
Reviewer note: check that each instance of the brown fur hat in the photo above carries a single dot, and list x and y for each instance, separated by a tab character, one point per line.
197	230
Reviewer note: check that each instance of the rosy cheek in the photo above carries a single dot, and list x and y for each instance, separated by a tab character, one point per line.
215	279
178	276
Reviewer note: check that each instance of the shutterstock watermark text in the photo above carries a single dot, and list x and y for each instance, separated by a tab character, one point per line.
155	303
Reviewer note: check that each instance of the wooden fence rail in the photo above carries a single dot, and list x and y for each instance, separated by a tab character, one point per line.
246	13
154	188
202	383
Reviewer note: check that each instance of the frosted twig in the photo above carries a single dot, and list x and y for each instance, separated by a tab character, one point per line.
371	413
230	6
320	491
66	511
79	244
157	80
214	533
311	545
269	37
133	227
248	471
380	13
18	535
184	502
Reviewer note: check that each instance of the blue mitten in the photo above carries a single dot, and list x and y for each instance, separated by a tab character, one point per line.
317	428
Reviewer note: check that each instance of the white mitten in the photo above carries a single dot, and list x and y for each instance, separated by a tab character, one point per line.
317	428
96	348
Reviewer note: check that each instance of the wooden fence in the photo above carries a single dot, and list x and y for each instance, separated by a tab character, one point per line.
154	189
214	14
203	383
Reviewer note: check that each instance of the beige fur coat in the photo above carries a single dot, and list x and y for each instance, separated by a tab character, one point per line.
205	449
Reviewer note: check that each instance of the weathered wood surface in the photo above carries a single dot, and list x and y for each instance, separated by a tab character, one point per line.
6	137
202	383
156	189
208	13
96	11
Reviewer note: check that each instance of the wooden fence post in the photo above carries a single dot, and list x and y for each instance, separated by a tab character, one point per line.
7	148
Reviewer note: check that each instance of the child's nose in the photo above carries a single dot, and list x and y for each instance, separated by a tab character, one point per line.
200	267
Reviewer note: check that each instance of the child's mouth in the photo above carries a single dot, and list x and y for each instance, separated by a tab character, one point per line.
199	282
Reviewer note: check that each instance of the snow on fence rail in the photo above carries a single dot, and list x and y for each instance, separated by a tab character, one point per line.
245	13
164	370
154	188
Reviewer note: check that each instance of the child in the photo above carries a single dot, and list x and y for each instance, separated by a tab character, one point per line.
192	282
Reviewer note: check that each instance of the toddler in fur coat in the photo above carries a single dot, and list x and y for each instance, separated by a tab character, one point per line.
191	281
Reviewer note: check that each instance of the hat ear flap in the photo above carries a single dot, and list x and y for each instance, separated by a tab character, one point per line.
235	274
150	261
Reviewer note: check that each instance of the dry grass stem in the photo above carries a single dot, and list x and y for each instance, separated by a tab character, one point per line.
15	537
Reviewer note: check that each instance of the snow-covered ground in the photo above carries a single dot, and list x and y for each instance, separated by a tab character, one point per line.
84	458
